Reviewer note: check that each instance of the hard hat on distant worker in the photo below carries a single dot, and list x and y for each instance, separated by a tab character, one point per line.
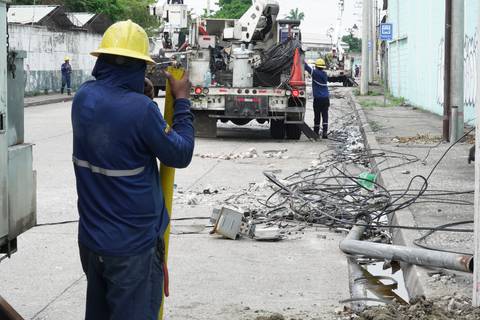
66	58
127	39
320	63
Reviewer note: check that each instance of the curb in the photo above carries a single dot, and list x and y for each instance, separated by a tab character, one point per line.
28	104
415	276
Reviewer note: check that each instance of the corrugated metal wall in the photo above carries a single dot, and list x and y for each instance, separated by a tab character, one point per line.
416	53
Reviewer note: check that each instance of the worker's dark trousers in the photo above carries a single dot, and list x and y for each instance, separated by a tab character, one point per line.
66	81
123	288
320	108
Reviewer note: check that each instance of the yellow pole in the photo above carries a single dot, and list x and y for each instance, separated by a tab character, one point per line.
167	174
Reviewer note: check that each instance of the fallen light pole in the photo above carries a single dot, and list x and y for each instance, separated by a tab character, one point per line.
422	257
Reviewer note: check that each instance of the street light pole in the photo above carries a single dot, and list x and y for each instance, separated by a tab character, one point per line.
447	70
373	40
456	73
365	53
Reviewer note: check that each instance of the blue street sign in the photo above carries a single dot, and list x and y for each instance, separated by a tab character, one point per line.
386	32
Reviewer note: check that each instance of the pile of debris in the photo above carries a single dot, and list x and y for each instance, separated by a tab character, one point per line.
418	139
251	153
445	308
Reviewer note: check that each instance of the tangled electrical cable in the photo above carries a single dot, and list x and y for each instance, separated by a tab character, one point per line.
330	195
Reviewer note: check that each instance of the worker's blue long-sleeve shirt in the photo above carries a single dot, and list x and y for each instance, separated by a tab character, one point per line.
319	82
66	70
118	135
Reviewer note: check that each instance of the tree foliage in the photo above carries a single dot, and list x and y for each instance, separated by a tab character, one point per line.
295	14
232	9
135	10
354	42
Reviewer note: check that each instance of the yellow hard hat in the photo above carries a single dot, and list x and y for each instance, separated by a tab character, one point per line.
320	63
66	58
125	38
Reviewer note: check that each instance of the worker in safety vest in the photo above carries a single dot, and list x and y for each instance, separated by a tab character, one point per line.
321	96
118	135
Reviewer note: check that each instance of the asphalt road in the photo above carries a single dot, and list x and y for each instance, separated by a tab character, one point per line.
211	278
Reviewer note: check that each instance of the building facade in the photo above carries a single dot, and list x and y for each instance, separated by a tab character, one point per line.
416	53
48	34
46	51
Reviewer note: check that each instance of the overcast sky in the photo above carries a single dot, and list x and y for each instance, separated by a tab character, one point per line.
320	15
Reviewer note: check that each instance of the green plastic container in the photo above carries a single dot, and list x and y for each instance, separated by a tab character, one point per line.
367	180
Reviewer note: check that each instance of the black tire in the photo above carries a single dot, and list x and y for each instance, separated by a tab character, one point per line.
277	129
293	132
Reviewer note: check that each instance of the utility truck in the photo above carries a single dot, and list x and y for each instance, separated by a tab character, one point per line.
171	40
339	64
250	69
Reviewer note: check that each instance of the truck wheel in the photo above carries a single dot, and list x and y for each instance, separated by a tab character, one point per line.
277	129
205	127
293	132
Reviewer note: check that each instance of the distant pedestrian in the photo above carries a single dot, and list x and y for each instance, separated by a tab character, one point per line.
66	76
321	96
357	71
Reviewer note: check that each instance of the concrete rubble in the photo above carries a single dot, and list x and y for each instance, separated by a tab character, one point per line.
448	307
251	153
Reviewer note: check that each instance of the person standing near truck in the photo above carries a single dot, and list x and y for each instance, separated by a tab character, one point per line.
321	96
66	76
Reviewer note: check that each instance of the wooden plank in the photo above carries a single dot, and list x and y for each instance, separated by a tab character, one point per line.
308	132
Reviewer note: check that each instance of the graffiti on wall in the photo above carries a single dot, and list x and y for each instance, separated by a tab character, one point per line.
469	71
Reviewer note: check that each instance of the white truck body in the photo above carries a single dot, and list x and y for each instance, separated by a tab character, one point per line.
230	89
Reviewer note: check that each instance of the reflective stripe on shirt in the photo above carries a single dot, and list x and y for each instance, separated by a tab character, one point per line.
107	172
320	84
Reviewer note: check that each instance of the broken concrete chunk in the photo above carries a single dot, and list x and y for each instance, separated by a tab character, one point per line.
229	222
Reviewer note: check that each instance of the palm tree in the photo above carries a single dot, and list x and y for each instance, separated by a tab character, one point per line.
295	14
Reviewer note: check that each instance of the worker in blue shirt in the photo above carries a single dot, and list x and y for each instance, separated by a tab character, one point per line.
118	136
66	69
321	96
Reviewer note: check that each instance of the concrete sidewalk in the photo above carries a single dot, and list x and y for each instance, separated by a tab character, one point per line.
408	130
47	99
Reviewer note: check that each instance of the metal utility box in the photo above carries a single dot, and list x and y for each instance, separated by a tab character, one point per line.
4	227
176	15
205	42
21	190
17	178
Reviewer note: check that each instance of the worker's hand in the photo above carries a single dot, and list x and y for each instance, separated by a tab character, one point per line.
180	88
149	89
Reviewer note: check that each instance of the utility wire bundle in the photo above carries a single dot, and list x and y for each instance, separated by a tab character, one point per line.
331	194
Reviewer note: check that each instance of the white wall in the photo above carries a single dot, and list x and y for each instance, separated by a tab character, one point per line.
46	51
